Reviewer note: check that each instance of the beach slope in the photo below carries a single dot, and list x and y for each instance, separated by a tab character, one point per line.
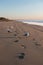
14	43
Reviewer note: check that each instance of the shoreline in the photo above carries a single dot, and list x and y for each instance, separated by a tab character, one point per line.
32	23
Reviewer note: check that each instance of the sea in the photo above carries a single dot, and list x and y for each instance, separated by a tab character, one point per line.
33	22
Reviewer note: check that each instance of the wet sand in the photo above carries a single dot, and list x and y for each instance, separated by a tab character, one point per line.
12	44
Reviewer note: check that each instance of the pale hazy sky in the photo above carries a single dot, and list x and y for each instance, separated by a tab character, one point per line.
21	9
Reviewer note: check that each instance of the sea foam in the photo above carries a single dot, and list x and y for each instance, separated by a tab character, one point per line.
39	23
33	23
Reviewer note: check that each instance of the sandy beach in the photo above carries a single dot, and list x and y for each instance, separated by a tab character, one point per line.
13	43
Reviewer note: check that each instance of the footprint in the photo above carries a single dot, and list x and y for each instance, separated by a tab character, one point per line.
15	34
37	44
33	39
21	55
16	41
23	46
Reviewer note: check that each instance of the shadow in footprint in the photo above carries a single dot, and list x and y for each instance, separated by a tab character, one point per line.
21	55
27	34
37	44
33	39
15	34
8	31
23	46
16	41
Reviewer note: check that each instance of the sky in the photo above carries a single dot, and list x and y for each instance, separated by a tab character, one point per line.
21	9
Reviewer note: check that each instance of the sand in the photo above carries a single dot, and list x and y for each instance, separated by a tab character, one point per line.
13	43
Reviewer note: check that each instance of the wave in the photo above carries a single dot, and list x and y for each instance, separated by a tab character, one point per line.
33	23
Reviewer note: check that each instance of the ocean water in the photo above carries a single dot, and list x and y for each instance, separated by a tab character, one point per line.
33	22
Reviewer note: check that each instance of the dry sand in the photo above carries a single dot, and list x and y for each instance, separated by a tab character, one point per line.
12	44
